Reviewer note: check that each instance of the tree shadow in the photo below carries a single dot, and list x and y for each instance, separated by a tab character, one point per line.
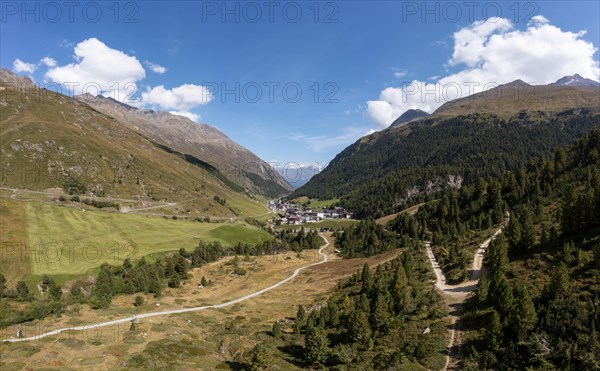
295	353
236	365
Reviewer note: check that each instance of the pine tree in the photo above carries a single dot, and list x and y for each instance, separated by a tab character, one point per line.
276	330
498	254
300	320
513	234
358	326
501	293
482	290
381	311
366	279
23	293
528	231
494	332
54	291
524	316
399	289
2	285
316	345
260	357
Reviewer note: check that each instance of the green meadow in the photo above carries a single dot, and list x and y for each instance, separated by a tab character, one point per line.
68	241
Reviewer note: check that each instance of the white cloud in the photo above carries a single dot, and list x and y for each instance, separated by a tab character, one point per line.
181	98
20	66
319	143
98	65
155	67
398	73
489	53
50	62
192	116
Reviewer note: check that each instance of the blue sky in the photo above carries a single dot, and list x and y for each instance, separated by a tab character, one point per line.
357	55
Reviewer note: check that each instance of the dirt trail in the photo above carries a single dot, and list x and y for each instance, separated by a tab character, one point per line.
455	295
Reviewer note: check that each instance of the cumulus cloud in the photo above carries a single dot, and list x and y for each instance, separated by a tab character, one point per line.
47	61
181	98
192	116
100	69
155	67
19	66
489	53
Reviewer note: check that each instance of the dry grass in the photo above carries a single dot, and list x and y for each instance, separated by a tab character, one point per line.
14	259
205	329
410	211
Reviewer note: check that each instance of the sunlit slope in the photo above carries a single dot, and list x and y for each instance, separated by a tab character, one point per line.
47	138
65	240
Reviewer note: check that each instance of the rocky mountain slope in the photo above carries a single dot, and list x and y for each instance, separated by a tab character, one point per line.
200	140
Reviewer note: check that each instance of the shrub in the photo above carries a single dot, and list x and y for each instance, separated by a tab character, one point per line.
239	271
139	301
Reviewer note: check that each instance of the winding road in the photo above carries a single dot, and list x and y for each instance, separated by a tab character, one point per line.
182	310
455	295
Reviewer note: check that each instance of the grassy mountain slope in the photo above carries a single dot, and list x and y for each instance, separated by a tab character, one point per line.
49	140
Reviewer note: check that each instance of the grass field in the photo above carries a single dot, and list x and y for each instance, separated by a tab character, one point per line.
67	241
315	203
14	263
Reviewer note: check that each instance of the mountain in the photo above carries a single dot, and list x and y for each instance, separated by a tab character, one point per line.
462	141
299	175
408	116
49	140
200	140
576	80
518	96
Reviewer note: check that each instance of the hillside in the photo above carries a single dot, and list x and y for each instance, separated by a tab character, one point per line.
380	173
51	141
537	305
516	97
203	141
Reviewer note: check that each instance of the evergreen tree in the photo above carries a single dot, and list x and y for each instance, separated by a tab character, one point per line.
316	345
23	293
276	330
54	291
260	357
524	315
498	254
381	311
494	332
358	326
300	320
2	285
501	293
482	290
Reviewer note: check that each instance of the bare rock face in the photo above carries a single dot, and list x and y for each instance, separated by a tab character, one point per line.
16	81
200	140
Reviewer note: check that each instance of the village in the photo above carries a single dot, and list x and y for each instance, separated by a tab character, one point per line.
293	214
